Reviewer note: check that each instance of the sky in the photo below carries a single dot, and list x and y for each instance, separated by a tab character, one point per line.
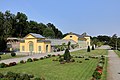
95	17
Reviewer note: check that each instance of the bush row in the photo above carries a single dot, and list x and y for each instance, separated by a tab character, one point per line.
18	76
3	65
98	71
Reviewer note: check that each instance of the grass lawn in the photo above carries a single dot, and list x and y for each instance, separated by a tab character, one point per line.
52	70
117	52
8	56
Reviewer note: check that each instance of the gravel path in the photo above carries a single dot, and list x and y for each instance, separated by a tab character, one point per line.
113	66
17	60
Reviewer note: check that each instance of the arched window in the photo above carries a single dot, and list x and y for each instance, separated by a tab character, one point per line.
31	47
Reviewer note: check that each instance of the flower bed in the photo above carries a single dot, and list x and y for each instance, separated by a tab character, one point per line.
99	69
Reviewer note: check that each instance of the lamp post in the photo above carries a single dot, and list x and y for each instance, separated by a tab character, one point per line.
116	43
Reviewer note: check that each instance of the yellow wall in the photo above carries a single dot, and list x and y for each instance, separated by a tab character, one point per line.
74	37
88	41
36	45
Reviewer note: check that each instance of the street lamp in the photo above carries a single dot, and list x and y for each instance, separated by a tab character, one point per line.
116	43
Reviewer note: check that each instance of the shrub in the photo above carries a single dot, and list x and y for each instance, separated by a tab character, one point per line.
13	54
86	58
93	48
46	57
29	60
10	75
79	61
22	61
49	55
60	56
72	60
80	56
55	59
16	76
12	64
61	59
37	79
53	55
35	59
25	77
2	65
96	75
67	55
30	75
42	78
41	58
76	56
1	75
88	49
0	57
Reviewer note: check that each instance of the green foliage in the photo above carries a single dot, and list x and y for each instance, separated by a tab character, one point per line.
22	61
93	48
15	76
17	25
61	59
49	33
2	44
96	75
2	65
1	75
13	54
67	55
29	60
35	59
69	43
88	49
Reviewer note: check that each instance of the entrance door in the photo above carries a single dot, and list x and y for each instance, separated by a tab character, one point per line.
31	47
46	48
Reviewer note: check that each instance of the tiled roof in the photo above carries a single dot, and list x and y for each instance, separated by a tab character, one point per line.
43	41
60	41
36	35
80	36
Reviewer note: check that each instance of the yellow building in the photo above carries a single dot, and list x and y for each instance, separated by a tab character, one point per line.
35	43
82	40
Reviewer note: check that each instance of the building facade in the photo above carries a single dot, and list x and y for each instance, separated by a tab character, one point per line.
82	40
35	43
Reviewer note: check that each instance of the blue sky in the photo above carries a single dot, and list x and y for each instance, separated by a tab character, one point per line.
96	17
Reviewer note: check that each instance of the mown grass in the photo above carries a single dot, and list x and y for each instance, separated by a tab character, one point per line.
8	56
117	52
53	70
96	52
104	74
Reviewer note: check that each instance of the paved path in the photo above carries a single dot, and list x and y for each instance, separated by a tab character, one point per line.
34	56
113	66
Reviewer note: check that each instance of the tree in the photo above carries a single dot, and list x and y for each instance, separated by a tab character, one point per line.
113	41
58	33
67	55
21	24
88	49
93	47
49	33
69	43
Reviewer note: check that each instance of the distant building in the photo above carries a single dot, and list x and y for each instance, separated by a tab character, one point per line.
35	43
82	40
13	44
